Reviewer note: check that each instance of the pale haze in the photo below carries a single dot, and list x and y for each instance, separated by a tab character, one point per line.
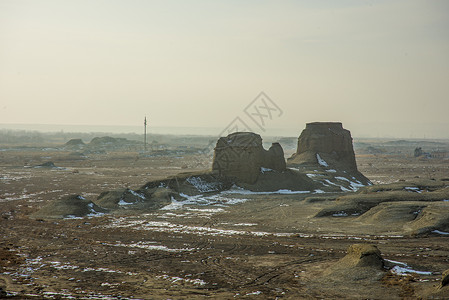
380	67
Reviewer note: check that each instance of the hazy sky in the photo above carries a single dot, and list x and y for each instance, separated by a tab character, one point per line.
372	65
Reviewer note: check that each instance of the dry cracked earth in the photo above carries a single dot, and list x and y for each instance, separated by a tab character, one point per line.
234	245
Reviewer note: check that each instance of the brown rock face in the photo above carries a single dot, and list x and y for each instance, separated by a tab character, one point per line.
327	144
241	155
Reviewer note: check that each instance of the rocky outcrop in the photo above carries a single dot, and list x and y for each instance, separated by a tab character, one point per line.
241	156
325	144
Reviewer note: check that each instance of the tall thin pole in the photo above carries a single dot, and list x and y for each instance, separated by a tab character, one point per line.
145	134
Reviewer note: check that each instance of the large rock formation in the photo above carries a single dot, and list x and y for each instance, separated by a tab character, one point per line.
325	144
241	156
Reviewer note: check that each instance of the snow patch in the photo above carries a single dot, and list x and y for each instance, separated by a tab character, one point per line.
405	270
204	186
340	214
150	246
440	232
137	194
158	226
238	190
263	170
123	202
321	161
353	185
175	279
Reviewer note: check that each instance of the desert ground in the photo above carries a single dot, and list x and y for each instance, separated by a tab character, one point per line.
232	245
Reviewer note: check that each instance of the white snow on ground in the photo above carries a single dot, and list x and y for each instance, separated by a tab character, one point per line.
239	190
354	185
72	217
203	186
217	199
122	202
263	170
254	293
93	212
412	189
329	183
321	161
174	279
311	176
340	214
344	189
331	171
137	194
150	246
158	226
403	269
13	196
396	262
206	210
440	232
222	199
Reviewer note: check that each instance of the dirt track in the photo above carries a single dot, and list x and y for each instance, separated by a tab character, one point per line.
261	248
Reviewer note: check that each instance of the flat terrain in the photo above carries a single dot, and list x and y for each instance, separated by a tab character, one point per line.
234	245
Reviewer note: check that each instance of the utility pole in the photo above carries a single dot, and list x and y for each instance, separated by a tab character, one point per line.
145	134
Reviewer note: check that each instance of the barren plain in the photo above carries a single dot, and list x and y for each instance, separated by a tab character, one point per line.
236	244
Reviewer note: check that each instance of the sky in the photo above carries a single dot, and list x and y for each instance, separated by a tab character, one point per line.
379	67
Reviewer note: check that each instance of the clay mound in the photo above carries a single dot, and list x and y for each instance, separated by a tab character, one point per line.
360	203
140	199
362	262
390	213
345	207
433	219
73	206
75	143
241	156
417	186
325	144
